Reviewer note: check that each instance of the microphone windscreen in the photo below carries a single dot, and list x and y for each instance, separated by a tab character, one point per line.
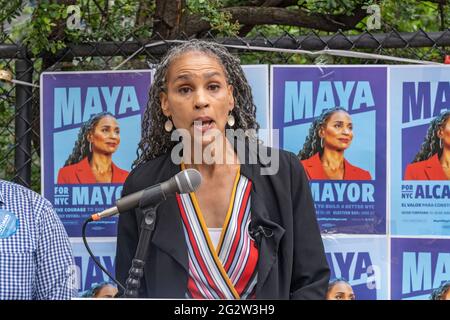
188	180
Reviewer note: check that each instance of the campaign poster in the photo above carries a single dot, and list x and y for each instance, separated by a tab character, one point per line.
87	273
418	267
363	261
351	143
90	129
420	150
258	78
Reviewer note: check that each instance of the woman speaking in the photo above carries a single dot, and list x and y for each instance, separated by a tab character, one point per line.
241	234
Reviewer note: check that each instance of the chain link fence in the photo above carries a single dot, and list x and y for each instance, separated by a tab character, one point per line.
19	103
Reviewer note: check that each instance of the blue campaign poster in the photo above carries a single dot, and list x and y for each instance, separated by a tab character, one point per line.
420	145
87	273
355	203
69	100
361	260
418	266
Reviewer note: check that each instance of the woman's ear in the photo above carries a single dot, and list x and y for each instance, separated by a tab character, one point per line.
164	104
321	132
230	96
440	133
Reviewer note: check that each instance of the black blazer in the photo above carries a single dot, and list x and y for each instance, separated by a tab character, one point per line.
292	263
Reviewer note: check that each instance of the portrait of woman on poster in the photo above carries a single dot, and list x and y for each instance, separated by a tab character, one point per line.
322	155
91	157
432	162
242	234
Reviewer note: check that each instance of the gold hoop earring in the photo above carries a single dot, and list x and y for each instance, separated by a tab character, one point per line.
168	125
90	147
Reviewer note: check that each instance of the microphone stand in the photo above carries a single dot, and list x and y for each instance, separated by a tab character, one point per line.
137	265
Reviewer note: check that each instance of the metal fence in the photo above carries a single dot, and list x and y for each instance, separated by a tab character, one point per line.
19	103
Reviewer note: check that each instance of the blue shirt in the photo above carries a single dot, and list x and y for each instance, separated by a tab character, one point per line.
36	260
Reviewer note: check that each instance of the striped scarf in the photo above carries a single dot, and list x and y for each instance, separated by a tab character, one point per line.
228	272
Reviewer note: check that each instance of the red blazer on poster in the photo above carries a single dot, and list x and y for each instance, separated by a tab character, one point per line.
429	169
314	170
81	173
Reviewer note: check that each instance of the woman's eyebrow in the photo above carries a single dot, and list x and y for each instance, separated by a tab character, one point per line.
211	74
183	77
187	77
340	121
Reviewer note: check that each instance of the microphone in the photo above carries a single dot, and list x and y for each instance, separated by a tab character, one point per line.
183	182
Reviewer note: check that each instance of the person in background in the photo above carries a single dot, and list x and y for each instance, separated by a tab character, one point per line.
36	261
340	289
101	290
91	158
322	154
441	293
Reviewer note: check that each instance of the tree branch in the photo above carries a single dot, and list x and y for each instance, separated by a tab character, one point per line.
264	3
168	17
193	24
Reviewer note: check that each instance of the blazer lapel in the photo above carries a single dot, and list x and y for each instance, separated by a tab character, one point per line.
116	174
169	234
349	170
315	169
268	235
433	169
84	173
266	232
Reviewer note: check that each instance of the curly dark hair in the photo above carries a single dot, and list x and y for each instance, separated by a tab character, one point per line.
440	292
155	141
81	148
312	141
431	143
